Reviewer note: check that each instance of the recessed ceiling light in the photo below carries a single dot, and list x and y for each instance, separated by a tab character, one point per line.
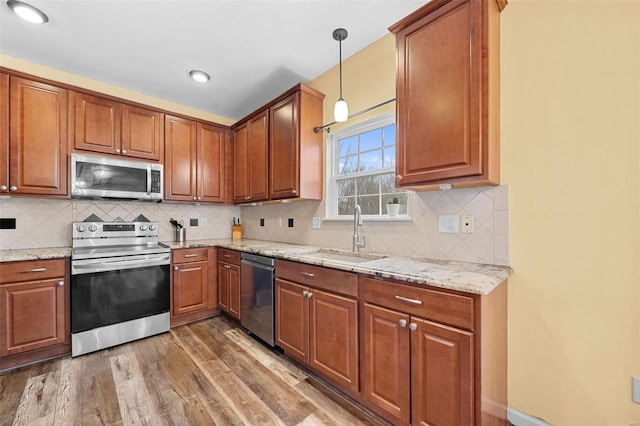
28	12
199	76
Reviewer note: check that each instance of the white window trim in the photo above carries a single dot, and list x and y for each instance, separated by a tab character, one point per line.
331	169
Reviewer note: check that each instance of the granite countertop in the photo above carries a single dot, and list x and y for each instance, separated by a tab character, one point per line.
462	276
473	278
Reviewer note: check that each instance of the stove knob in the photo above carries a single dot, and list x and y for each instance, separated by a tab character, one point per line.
152	227
143	227
81	228
93	228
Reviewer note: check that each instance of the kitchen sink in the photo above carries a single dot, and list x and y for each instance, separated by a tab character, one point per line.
343	257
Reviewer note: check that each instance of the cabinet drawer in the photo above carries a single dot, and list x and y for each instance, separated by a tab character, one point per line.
32	270
190	255
446	308
229	256
319	277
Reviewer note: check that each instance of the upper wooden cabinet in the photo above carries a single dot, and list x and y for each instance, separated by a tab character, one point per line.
447	94
251	144
194	161
277	154
33	158
111	127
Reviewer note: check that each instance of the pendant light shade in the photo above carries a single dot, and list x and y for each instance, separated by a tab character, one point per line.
341	109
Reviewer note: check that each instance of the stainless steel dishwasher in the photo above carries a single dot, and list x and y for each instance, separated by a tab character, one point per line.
256	296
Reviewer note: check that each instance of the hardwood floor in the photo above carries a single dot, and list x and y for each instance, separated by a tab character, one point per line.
203	373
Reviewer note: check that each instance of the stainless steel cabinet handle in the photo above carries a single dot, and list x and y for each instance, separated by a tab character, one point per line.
194	198
60	283
118	150
399	177
294	191
13	188
308	274
304	293
406	299
175	268
309	294
247	198
226	255
190	255
27	271
413	326
124	151
403	323
3	187
227	266
199	198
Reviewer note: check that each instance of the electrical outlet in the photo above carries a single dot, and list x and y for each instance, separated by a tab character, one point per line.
448	224
261	221
290	223
315	223
193	222
635	389
466	224
279	222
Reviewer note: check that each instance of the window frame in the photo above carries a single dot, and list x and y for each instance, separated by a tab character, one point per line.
331	169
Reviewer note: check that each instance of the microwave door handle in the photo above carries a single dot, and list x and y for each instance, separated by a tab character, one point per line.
148	180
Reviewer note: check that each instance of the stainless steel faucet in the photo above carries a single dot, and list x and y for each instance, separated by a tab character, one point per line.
357	221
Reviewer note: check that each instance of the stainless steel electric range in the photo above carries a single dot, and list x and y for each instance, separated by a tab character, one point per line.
120	283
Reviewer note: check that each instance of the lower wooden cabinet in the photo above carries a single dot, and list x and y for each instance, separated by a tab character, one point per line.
193	285
318	327
34	314
229	282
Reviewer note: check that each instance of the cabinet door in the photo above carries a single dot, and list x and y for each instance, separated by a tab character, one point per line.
284	149
386	360
180	167
441	375
258	157
142	133
223	286
4	133
234	291
96	124
33	316
190	287
333	337
438	95
241	189
211	163
292	319
38	138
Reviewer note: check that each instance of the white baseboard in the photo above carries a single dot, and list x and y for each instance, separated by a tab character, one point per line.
518	418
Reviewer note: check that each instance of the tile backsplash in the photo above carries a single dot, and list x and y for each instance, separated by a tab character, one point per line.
419	236
47	223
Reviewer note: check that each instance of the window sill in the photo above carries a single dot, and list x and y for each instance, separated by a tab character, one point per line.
370	219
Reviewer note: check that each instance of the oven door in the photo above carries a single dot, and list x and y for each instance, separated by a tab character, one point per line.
114	290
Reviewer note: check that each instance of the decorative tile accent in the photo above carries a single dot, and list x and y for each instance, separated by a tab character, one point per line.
418	237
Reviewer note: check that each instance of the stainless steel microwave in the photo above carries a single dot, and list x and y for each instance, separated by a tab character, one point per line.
103	177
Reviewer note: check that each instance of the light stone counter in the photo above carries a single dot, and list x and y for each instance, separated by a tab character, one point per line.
462	276
34	254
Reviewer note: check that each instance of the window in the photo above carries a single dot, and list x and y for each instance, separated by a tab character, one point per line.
361	163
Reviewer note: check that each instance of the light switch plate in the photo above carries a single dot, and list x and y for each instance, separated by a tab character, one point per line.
466	224
448	224
315	223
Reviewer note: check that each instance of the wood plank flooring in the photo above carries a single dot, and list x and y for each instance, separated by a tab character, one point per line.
204	373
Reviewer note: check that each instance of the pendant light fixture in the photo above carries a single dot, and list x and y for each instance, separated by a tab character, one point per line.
341	109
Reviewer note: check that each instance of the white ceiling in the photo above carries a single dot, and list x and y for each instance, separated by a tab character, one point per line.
254	50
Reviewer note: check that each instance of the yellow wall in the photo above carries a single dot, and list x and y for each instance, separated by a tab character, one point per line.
86	83
570	155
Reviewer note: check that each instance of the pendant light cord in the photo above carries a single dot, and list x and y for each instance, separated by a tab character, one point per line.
340	42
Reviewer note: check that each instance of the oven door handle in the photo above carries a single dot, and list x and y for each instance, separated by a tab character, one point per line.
104	265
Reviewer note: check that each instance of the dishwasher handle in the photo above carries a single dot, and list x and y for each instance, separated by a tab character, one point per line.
257	265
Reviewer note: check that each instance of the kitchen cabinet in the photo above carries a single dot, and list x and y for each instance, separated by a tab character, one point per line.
107	126
193	285
251	141
434	357
292	139
34	153
447	94
34	319
229	282
194	161
277	155
317	320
